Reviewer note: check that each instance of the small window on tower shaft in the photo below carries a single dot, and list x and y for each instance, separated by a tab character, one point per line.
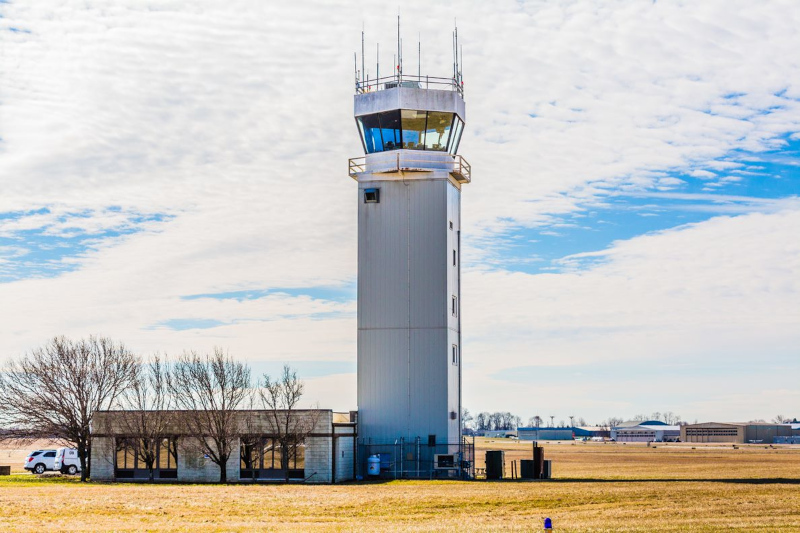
451	224
454	258
455	355
372	196
454	308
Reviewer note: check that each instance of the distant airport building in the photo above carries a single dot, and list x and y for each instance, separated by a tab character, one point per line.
648	431
496	433
591	432
736	432
534	433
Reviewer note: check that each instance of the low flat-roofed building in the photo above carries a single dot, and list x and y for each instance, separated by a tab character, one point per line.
533	433
496	433
734	432
592	432
325	454
646	432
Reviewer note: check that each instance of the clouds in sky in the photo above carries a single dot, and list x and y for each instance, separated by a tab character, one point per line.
173	174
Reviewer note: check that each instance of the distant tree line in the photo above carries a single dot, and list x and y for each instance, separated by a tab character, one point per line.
54	391
497	421
504	420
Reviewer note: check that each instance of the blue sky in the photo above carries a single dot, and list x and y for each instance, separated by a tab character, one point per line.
632	219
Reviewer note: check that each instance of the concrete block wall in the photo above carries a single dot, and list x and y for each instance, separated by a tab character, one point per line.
102	457
193	467
318	459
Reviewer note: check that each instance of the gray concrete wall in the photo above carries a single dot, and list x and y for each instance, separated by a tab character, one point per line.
318	460
103	452
194	467
409	98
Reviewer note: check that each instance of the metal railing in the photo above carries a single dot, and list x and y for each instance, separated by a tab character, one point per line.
456	165
405	80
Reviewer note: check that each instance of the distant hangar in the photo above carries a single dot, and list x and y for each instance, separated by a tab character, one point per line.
738	432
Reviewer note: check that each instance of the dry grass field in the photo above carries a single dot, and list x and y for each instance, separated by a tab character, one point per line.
597	487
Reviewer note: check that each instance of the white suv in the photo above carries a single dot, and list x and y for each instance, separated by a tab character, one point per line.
67	461
40	461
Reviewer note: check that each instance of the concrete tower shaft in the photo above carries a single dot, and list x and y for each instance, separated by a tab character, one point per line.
409	262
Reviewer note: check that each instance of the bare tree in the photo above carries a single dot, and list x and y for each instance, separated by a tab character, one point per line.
53	391
147	417
671	418
281	397
466	418
211	388
780	419
482	421
611	422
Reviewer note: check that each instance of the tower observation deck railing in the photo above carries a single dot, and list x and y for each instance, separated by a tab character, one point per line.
403	161
414	82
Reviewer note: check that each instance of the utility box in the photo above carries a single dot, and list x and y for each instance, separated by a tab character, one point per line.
444	461
548	470
495	460
527	470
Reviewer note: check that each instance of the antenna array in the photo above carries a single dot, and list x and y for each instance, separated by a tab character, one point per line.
364	83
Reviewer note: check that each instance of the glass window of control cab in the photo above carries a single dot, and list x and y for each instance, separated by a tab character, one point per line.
413	124
411	129
380	132
437	130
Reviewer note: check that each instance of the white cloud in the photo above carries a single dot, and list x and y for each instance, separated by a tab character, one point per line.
723	294
233	121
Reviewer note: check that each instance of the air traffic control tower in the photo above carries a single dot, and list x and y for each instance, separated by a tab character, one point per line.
409	257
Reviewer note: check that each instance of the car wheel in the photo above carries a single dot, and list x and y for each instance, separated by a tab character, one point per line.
72	470
39	469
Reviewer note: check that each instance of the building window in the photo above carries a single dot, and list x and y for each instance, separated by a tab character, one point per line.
410	129
372	196
454	356
437	131
454	258
131	455
451	224
413	123
455	138
454	306
265	458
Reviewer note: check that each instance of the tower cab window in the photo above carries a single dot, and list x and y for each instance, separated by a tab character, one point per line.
410	129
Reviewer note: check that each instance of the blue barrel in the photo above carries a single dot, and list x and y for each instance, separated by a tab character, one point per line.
374	465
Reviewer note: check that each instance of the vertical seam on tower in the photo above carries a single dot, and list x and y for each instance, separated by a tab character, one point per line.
408	277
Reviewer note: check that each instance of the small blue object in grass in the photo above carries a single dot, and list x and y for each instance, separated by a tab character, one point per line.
548	524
